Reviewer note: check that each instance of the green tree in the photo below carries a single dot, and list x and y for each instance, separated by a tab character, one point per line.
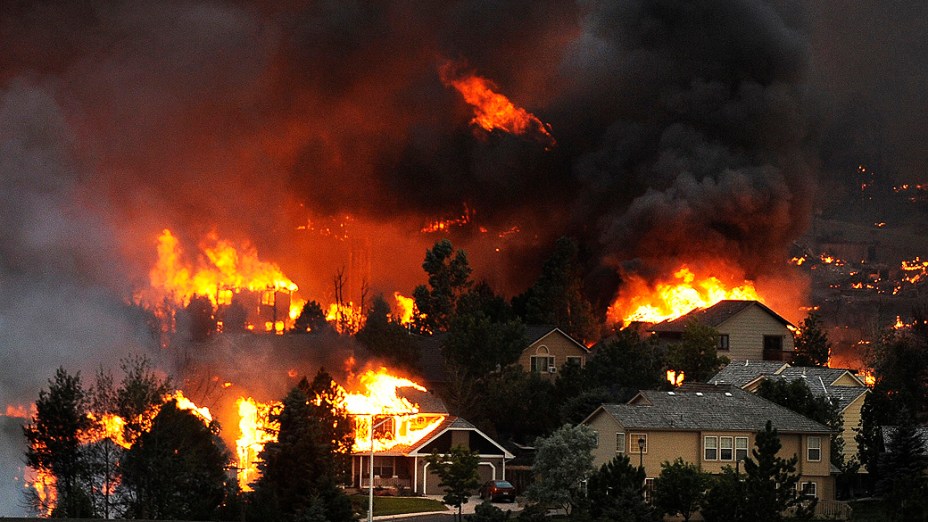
626	361
900	365
449	279
518	405
616	492
386	338
725	498
797	396
680	488
478	345
563	461
869	438
811	342
311	319
301	470
557	296
176	470
198	318
902	483
770	481
458	473
53	436
697	354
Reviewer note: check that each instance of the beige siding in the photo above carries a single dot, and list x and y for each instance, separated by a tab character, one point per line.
554	344
852	422
746	332
847	379
606	428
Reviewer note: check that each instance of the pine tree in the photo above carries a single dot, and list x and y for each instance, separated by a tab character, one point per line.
811	344
680	488
458	473
770	480
616	492
903	484
449	279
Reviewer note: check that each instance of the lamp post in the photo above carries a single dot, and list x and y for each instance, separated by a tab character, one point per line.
370	496
641	452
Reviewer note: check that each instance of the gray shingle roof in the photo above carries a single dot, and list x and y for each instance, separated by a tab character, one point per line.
712	408
818	379
714	315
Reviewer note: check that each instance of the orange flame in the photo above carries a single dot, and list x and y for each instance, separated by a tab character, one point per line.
674	378
16	410
640	301
396	420
406	307
221	271
493	110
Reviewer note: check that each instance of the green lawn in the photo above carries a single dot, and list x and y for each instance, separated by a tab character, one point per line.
397	505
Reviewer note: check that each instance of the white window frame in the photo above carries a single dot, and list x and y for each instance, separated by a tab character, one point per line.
731	448
648	489
533	365
741	448
633	440
808	488
595	439
620	443
574	358
814	444
706	447
724	342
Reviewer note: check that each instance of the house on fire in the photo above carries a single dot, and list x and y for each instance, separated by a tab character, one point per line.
835	384
712	426
403	443
748	330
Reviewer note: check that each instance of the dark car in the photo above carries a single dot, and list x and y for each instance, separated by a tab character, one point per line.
498	490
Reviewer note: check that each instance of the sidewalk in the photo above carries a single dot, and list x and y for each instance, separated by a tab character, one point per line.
442	516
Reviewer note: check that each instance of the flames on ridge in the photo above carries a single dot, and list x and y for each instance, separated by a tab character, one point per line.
642	301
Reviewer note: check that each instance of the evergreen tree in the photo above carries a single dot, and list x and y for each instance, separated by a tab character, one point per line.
616	492
105	454
311	319
176	470
518	405
458	473
140	390
725	499
54	442
680	488
557	297
198	318
900	365
478	345
302	468
697	355
903	484
869	439
449	279
811	344
770	481
386	338
626	362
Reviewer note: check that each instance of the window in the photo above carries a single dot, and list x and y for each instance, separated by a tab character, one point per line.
595	439
575	359
741	448
724	342
648	489
815	449
773	343
710	448
619	443
383	466
638	443
725	449
541	363
808	489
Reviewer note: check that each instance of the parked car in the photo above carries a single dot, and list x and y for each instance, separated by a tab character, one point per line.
496	490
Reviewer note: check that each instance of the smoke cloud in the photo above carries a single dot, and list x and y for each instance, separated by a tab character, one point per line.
321	131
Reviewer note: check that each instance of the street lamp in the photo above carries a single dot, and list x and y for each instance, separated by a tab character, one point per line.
370	497
641	452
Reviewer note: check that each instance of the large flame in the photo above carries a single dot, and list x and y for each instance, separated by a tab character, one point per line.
641	301
396	420
220	271
493	111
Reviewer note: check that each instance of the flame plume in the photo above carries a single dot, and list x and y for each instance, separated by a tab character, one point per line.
493	111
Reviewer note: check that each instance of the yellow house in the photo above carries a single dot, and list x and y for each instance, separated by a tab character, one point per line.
712	427
549	349
836	384
748	330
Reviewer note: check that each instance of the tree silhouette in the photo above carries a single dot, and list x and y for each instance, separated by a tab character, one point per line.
458	473
812	345
449	279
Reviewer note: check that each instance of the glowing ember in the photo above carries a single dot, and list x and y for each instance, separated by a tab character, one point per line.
18	411
640	301
492	110
45	486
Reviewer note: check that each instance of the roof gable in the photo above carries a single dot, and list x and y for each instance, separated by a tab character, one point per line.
431	441
716	315
537	333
